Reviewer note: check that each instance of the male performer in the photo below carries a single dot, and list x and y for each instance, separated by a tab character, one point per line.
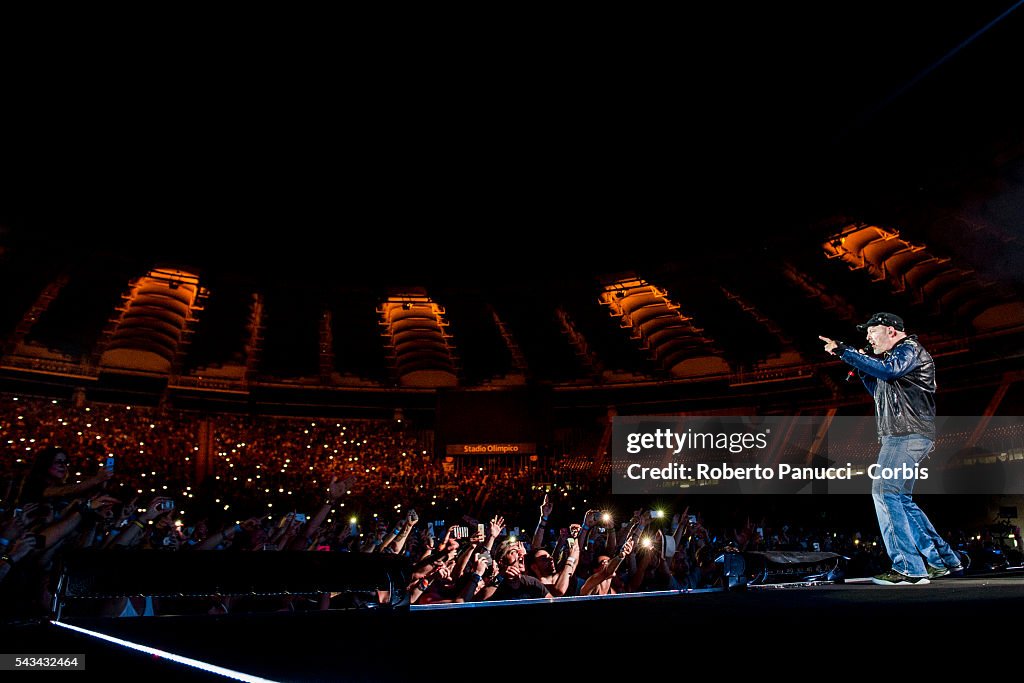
902	383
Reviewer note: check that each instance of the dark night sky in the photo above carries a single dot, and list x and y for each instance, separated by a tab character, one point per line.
737	122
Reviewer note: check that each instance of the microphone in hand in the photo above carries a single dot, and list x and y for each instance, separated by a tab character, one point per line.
853	371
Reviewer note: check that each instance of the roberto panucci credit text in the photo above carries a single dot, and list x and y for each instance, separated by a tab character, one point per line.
809	454
665	441
752	454
715	472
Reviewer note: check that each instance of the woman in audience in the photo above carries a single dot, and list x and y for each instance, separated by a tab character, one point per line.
48	479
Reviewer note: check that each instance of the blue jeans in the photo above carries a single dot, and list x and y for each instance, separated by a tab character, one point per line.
910	539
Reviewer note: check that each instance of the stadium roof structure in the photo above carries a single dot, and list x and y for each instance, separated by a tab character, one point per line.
785	175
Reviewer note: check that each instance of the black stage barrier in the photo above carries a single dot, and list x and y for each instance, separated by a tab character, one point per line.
89	576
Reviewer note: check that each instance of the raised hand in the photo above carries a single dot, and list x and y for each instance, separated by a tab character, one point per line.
547	506
154	511
337	489
126	510
495	526
102	501
22	547
830	345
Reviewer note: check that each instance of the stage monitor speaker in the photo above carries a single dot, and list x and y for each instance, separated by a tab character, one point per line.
764	567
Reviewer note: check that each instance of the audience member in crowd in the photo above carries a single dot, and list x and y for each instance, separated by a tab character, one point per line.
48	478
601	582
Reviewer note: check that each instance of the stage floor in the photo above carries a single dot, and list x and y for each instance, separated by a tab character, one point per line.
771	628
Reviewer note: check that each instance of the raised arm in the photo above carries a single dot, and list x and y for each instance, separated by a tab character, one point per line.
590	520
494	528
404	532
335	491
419	587
545	512
139	526
86	511
684	524
476	578
644	558
123	520
561	585
902	359
607	571
68	490
467	552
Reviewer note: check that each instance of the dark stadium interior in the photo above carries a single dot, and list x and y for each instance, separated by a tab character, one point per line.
242	304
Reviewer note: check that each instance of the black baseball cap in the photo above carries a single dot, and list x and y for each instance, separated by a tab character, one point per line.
887	319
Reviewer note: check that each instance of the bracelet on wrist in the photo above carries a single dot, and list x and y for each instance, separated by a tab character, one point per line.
585	528
139	524
7	559
544	517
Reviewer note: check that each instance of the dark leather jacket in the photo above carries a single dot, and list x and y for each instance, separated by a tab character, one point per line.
902	382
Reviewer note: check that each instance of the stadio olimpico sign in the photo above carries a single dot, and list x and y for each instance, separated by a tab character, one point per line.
490	449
